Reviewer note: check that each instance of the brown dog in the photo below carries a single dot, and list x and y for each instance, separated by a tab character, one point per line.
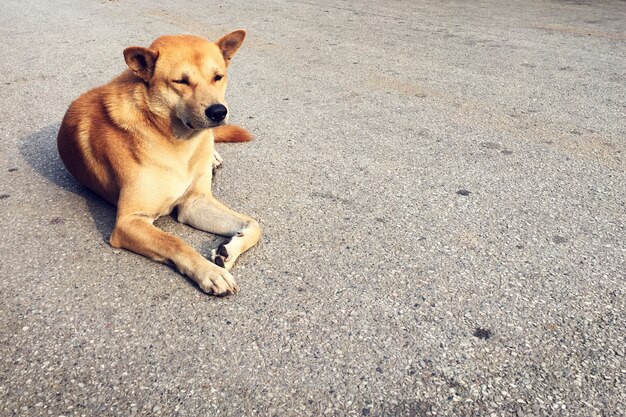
144	142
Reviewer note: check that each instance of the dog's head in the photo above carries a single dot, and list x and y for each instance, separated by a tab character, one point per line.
186	76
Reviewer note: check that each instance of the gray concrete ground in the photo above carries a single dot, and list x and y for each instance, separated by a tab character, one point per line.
442	187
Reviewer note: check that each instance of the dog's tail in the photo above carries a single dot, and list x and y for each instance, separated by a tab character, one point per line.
232	133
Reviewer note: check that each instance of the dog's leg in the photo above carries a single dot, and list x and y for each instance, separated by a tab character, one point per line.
217	159
210	215
137	233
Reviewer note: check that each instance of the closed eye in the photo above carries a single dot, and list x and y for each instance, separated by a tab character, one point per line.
184	81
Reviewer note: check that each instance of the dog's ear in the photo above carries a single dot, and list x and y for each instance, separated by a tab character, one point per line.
141	61
229	44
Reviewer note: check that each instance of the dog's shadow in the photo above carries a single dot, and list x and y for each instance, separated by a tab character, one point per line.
39	150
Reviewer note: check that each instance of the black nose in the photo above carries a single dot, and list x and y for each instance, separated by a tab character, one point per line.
216	112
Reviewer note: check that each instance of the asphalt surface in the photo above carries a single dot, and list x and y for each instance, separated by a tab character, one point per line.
442	188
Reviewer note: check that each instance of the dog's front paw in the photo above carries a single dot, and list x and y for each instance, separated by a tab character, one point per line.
217	160
216	280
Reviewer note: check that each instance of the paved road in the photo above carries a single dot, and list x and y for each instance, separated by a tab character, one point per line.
442	187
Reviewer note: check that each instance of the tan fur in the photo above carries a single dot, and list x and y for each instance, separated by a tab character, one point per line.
231	133
144	143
